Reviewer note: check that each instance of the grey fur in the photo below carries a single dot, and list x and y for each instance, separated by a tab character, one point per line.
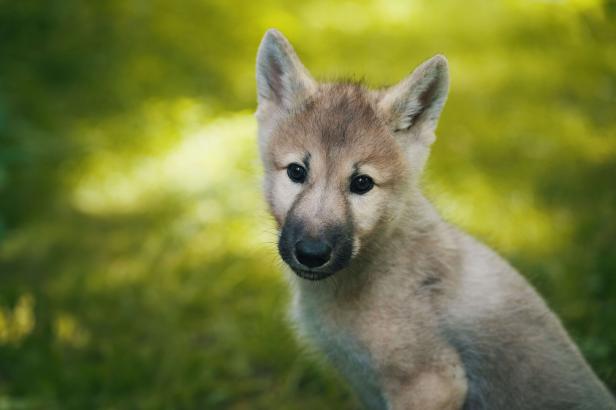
520	357
424	316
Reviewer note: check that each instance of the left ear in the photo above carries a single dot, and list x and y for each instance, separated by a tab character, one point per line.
282	79
415	104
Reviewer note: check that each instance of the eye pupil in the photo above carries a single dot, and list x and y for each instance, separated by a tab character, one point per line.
361	184
296	173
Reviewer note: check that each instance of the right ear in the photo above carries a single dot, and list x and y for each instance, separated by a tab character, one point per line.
282	80
417	101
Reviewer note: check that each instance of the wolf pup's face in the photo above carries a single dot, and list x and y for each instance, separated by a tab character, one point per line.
340	160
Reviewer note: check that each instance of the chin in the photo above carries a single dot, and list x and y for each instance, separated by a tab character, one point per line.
312	275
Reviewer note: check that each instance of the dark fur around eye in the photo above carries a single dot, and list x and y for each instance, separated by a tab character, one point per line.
297	173
361	184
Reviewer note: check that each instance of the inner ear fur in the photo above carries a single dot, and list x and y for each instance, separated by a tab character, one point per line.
417	101
282	79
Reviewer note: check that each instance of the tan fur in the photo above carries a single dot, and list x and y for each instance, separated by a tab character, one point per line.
415	319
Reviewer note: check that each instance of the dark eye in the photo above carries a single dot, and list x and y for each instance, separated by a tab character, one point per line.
297	173
361	184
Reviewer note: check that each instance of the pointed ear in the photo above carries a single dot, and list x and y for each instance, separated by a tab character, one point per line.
416	102
282	80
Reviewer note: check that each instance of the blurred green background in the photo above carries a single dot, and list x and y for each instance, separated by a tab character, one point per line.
137	260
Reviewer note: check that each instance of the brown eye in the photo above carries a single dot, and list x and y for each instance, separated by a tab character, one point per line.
297	173
361	184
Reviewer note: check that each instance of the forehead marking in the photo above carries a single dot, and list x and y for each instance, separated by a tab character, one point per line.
340	124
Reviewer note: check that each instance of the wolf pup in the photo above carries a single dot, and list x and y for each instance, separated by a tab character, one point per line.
413	312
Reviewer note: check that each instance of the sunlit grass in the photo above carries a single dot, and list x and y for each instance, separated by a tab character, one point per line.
514	222
68	331
203	157
17	323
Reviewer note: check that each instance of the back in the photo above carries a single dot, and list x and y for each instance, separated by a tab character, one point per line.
515	352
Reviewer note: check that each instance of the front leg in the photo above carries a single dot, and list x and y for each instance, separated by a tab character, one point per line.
439	387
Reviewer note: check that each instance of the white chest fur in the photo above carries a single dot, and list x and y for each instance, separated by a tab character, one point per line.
330	331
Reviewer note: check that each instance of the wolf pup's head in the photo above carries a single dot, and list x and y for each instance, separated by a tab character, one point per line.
340	159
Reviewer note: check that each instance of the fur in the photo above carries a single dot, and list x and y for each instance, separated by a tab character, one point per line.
413	312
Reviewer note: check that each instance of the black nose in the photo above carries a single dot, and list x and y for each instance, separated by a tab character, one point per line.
312	253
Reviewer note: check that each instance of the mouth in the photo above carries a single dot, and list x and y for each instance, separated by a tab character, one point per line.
312	275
